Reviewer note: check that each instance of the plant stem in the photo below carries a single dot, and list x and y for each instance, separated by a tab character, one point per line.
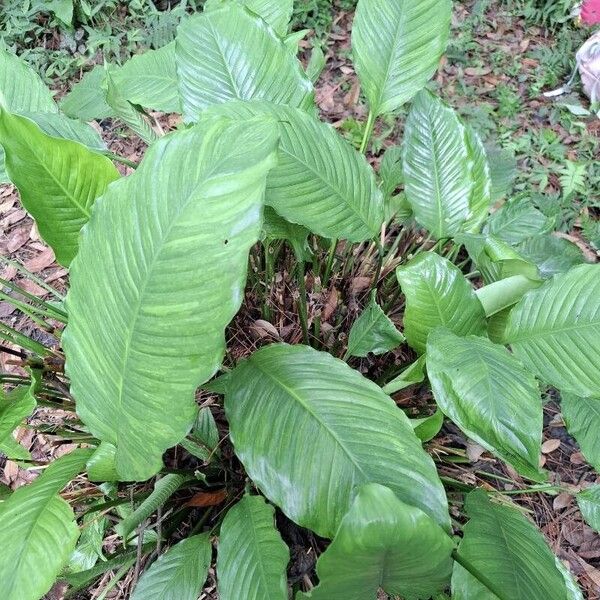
471	568
266	311
368	131
329	265
122	160
504	293
302	307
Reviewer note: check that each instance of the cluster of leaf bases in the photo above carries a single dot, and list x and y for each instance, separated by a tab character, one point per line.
158	265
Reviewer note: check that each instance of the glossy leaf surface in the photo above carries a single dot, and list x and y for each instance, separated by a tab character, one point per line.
159	239
582	418
58	180
446	175
555	331
589	504
320	181
509	550
373	332
290	406
437	294
489	395
150	80
397	47
277	13
383	543
179	573
38	531
252	558
232	54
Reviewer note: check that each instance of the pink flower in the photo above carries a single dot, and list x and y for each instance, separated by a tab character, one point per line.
590	12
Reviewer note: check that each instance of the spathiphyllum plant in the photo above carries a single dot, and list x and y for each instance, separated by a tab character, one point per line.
158	268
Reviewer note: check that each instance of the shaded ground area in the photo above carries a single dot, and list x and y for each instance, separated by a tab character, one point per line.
496	68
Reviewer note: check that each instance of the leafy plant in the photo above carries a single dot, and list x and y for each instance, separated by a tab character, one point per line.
159	267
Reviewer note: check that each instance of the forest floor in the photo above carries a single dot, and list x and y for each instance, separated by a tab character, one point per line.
494	73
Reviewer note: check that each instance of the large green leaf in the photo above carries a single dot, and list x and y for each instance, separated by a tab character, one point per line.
150	80
555	331
551	254
489	395
231	54
21	88
518	220
86	99
582	418
125	110
290	406
179	573
320	181
61	126
252	558
437	294
446	175
58	181
397	46
384	543
38	531
509	551
373	332
146	318
277	13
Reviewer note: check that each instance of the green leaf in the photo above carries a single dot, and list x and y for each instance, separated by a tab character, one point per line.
320	181
38	531
252	558
86	99
518	220
58	181
414	373
160	239
437	294
383	543
397	47
150	80
495	259
390	171
316	64
322	407
277	13
21	88
511	553
214	66
89	547
13	450
503	170
277	228
427	428
551	254
62	9
124	110
446	175
164	488
555	331
15	406
589	504
373	332
58	125
101	466
582	419
490	396
179	573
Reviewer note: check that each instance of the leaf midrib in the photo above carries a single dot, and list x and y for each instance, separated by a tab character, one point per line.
301	402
